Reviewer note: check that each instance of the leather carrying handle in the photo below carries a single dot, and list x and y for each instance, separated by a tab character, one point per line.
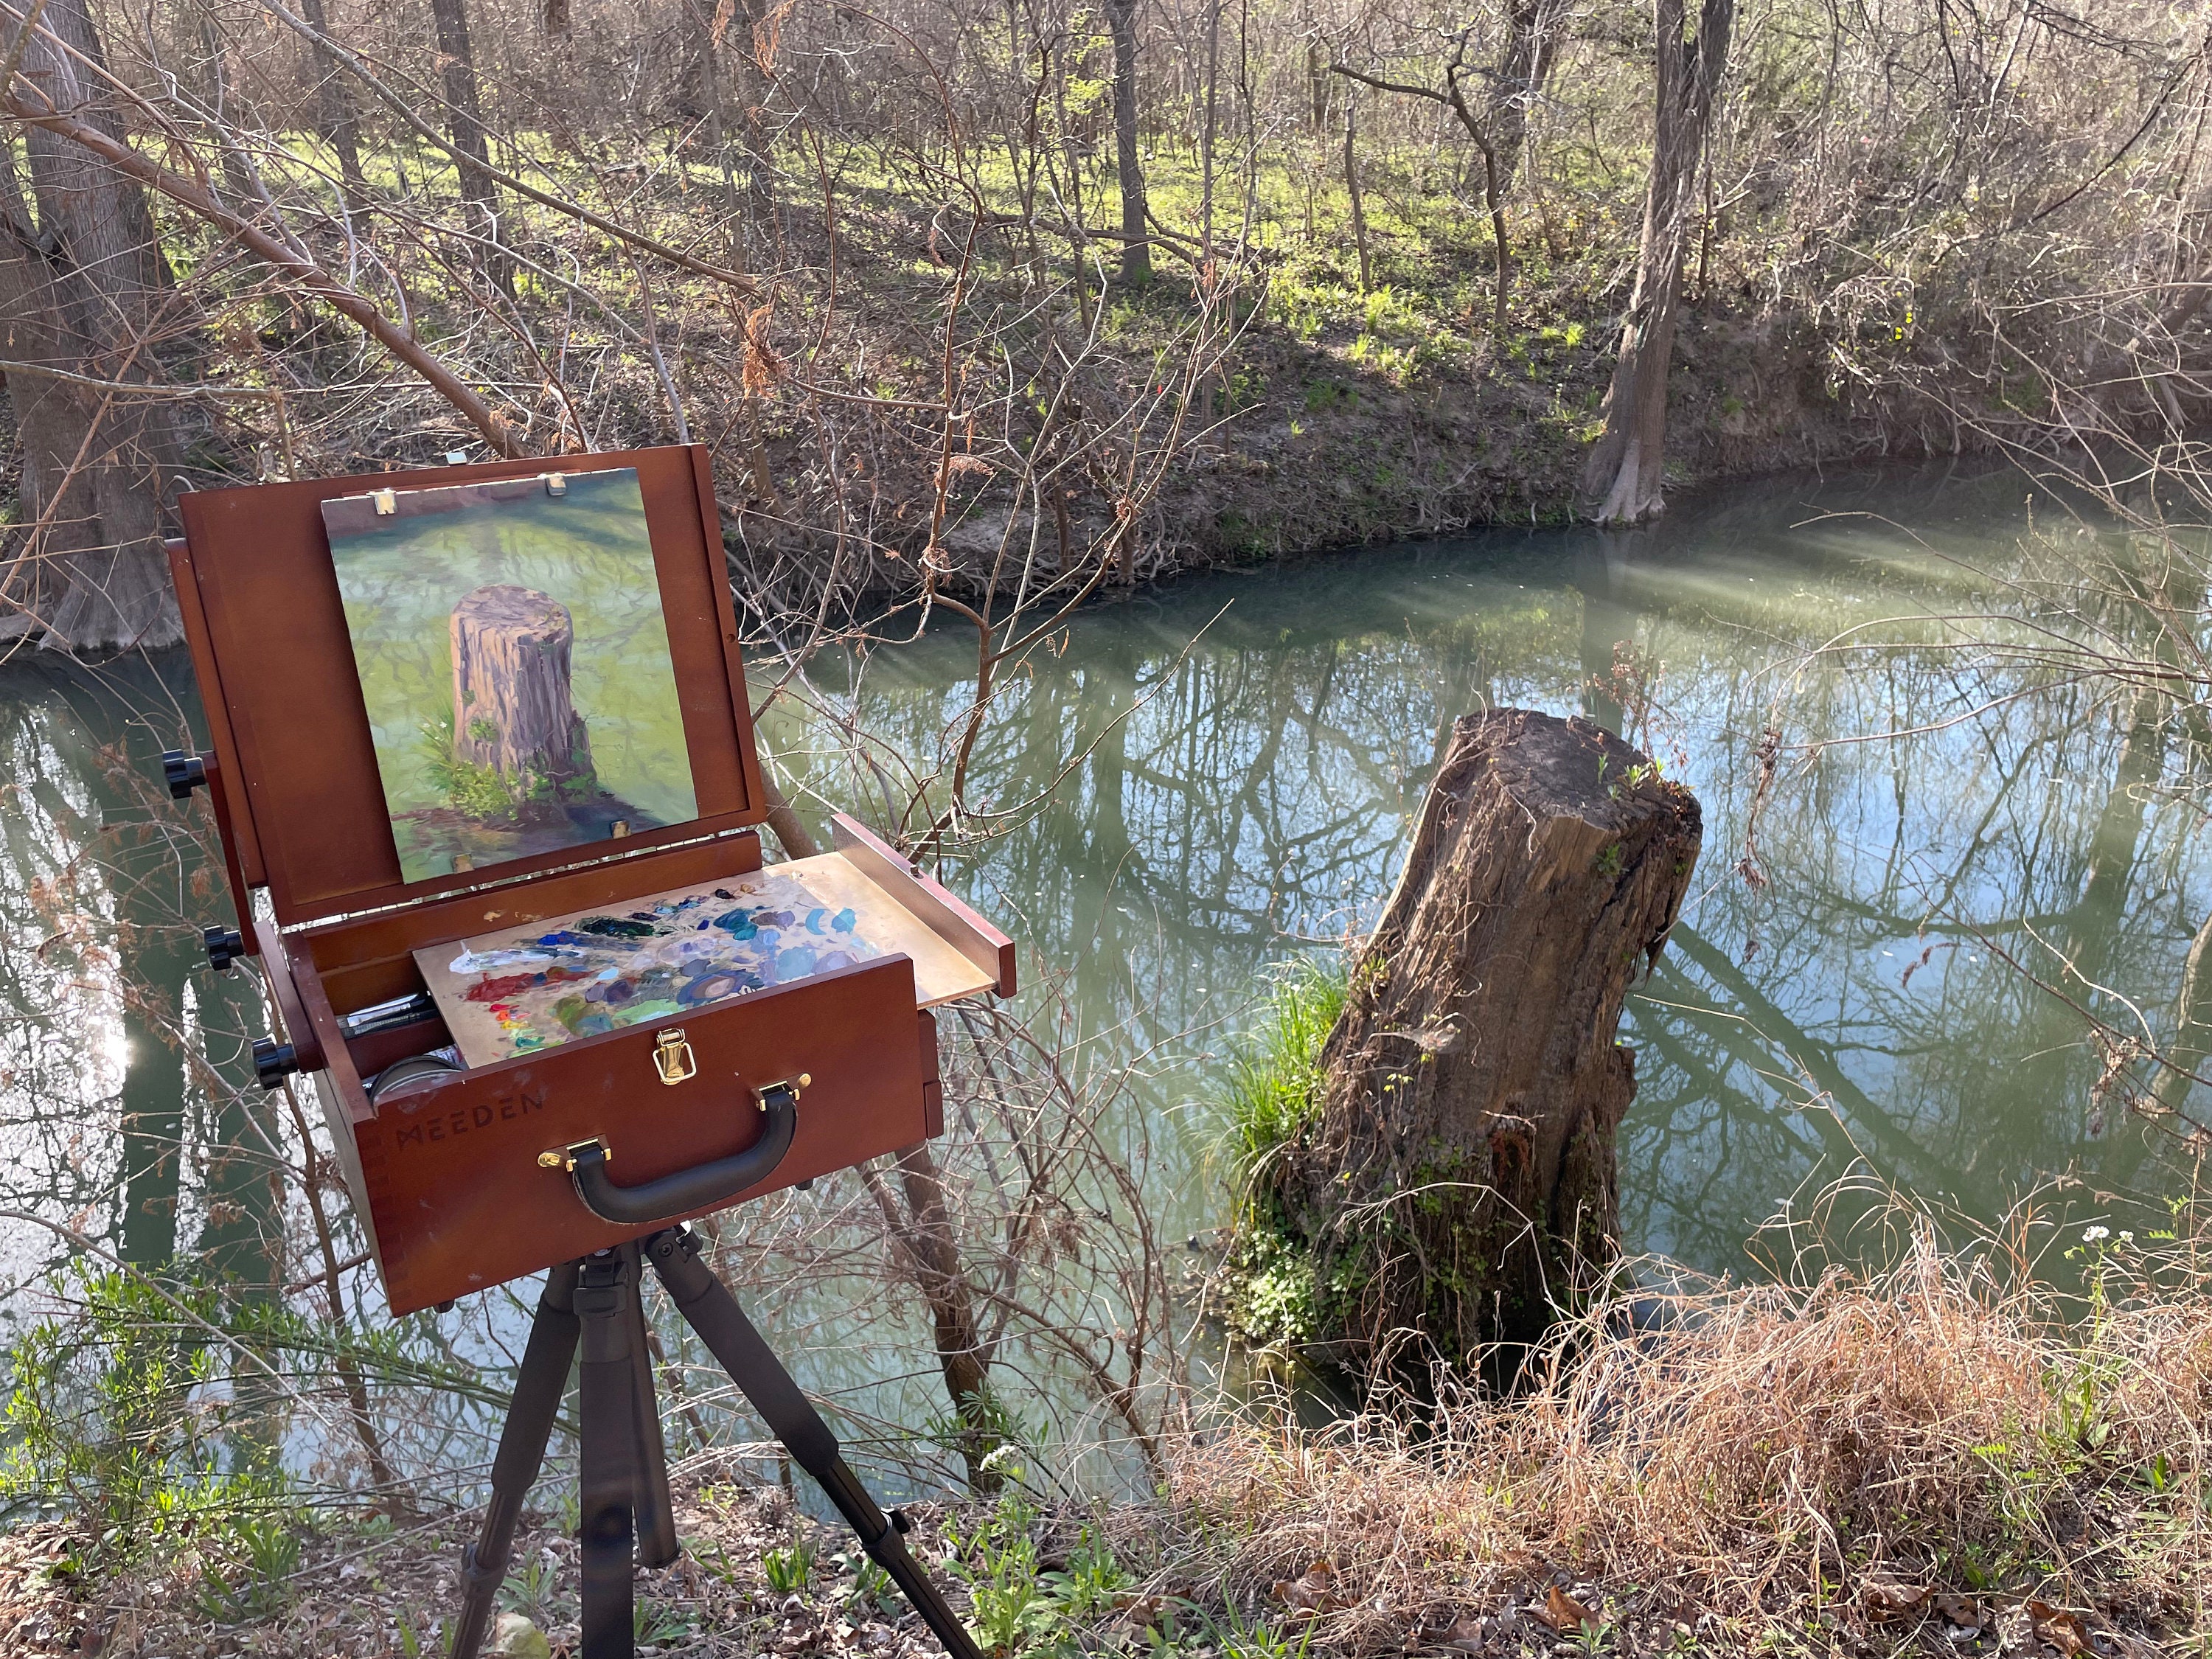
703	1186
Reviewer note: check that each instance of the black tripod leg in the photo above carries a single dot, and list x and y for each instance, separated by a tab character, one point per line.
656	1514
713	1313
608	1384
538	1386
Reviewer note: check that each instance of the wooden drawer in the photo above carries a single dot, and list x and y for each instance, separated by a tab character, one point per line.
460	1202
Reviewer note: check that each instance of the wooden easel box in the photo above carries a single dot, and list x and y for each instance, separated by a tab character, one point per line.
448	1180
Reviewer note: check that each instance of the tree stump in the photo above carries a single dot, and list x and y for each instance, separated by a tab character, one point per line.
1457	1187
513	709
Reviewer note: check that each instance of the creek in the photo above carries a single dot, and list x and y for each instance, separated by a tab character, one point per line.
1244	754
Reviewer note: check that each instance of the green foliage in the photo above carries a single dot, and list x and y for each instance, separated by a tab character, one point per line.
1274	1081
1016	1607
873	1591
112	1416
1093	1583
998	1562
256	1588
788	1569
652	1623
478	791
530	1589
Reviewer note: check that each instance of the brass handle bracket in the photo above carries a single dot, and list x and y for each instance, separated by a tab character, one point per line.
564	1157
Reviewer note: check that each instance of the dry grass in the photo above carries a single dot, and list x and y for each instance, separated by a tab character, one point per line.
1950	1456
1814	1466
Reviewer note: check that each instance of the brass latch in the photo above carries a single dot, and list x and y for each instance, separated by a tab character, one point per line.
671	1058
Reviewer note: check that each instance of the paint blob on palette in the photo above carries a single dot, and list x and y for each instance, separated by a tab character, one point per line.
534	988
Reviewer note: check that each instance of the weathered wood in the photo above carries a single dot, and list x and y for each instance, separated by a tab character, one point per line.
1458	1183
513	709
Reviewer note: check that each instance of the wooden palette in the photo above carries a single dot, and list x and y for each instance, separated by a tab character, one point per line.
517	991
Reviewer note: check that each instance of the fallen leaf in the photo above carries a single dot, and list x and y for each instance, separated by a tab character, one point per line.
1466	1634
2063	1630
1961	1610
1895	1601
1144	1612
1563	1614
1313	1593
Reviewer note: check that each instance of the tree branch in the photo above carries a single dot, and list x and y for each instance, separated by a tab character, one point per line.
197	199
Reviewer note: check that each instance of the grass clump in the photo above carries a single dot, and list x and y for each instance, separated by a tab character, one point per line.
1276	1076
478	791
1273	1098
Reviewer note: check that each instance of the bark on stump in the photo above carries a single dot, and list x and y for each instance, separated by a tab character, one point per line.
1459	1186
513	709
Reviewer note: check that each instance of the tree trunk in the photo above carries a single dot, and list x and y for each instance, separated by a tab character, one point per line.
1457	1189
82	291
335	114
1623	478
2193	1036
1352	185
1136	251
464	119
513	709
1531	49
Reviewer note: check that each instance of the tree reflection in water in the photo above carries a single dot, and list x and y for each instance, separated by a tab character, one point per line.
1246	795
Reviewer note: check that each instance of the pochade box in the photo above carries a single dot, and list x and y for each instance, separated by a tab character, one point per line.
483	766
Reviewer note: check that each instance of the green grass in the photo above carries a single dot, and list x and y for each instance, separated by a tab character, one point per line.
1275	1078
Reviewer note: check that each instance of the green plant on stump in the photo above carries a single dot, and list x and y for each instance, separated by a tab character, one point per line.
1274	1098
478	791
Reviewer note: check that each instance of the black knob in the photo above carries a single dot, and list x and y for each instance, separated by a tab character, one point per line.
273	1062
182	773
224	946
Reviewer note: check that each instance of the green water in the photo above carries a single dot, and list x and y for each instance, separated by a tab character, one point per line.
1255	748
1248	753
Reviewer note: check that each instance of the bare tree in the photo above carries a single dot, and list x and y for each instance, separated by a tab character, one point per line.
1622	479
86	296
1136	247
465	120
335	114
1482	129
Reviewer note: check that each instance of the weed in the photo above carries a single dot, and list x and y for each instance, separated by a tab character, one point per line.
478	791
788	1569
114	1416
1089	1584
872	1590
529	1591
1274	1081
271	1548
650	1622
1237	1638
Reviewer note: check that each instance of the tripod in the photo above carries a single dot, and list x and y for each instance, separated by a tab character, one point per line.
594	1304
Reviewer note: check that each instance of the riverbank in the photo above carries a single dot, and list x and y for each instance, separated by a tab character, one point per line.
1339	408
1919	1461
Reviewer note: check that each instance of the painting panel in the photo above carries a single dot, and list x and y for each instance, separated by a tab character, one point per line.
515	664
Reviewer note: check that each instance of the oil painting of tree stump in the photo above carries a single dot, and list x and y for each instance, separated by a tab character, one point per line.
513	710
1457	1185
